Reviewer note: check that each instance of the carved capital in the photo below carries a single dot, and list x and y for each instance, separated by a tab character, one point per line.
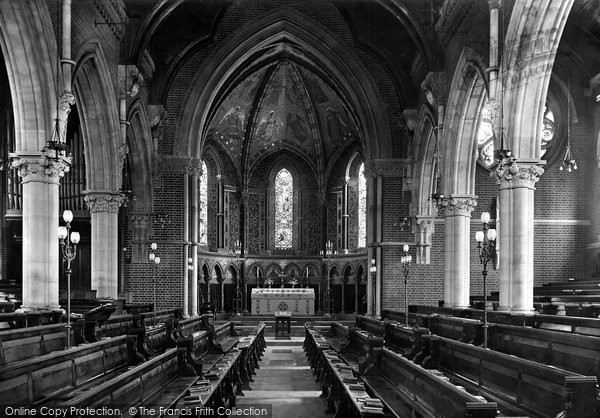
409	117
514	175
130	80
424	224
434	88
386	167
123	151
114	15
40	168
66	100
103	202
147	66
245	198
178	164
322	196
140	223
457	206
452	15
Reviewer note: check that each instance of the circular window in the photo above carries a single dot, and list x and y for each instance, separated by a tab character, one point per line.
551	130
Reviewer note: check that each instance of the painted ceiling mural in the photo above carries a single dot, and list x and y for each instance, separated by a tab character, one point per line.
293	107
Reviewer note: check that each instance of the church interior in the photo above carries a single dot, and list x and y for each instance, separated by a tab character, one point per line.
297	208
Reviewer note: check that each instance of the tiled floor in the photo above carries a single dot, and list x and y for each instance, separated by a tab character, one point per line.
286	382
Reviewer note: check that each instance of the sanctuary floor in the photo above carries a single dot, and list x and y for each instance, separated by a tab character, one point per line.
285	381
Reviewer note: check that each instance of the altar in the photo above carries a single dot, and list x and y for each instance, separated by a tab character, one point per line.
297	301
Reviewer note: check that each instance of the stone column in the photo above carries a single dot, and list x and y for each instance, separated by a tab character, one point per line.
379	238
40	178
345	216
220	212
356	296
516	234
195	226
371	217
186	247
457	254
104	210
323	223
424	229
343	311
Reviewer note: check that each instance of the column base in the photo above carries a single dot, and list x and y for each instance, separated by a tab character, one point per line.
522	311
24	309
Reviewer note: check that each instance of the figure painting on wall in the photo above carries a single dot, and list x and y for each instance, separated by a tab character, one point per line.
336	127
269	126
297	126
232	124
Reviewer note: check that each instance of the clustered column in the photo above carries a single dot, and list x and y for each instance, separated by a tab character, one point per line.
516	182
104	209
40	178
457	213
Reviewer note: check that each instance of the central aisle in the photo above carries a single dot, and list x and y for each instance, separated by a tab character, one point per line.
285	381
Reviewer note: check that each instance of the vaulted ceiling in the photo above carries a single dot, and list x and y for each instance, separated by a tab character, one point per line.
282	105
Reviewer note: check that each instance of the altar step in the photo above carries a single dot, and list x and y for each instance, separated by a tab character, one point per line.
296	324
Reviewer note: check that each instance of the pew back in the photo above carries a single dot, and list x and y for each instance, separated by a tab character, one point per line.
30	380
429	394
133	386
23	343
535	388
577	353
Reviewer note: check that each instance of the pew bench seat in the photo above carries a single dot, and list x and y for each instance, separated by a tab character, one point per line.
337	336
408	389
222	337
36	379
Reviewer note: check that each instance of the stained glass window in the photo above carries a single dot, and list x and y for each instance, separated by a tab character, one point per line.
284	196
203	204
362	207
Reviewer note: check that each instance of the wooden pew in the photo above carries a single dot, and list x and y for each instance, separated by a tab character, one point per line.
29	381
460	329
163	373
353	344
24	343
339	384
572	324
457	328
372	325
170	378
222	337
32	318
577	353
409	389
516	384
338	336
405	341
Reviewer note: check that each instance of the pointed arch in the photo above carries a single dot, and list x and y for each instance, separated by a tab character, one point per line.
31	67
467	93
425	147
531	43
139	141
99	118
285	33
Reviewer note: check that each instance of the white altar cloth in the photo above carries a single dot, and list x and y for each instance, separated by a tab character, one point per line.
299	301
